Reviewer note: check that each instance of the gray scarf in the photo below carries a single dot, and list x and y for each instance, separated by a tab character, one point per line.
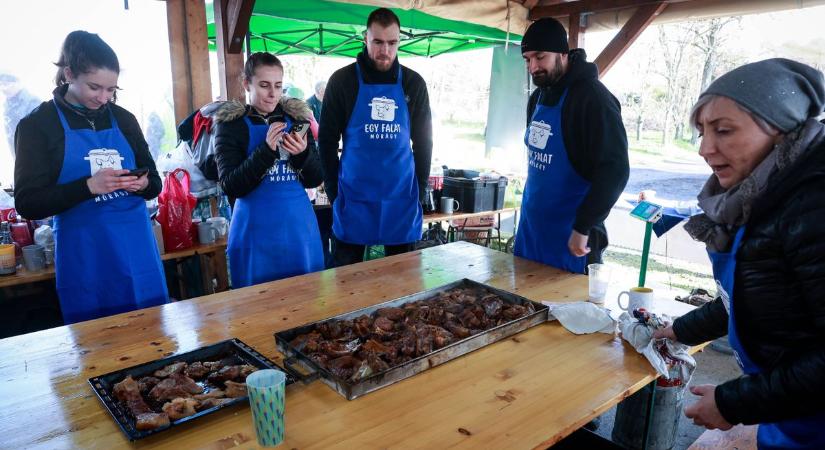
727	210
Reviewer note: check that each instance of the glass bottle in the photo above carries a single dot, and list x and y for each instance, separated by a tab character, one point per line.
8	262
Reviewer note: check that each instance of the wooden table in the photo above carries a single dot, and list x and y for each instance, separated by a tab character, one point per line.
437	218
441	217
528	391
217	248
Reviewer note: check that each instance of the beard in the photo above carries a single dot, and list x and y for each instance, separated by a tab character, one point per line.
544	78
383	64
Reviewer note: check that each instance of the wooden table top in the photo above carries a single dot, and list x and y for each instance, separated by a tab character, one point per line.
23	276
528	391
441	217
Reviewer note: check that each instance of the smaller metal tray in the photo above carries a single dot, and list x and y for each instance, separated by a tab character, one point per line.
103	385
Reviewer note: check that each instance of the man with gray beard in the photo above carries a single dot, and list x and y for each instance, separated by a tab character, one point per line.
577	154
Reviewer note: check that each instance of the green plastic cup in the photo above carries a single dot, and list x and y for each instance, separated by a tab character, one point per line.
266	399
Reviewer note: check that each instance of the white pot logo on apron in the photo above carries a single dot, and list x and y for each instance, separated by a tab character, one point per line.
103	158
383	108
539	133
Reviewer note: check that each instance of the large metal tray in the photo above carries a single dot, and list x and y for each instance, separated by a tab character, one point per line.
103	385
352	390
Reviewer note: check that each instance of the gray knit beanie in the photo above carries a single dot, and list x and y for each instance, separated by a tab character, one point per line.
783	92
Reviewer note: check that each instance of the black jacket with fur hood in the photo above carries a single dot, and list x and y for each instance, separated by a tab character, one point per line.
239	173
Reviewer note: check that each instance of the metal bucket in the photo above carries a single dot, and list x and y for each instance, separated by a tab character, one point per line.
629	425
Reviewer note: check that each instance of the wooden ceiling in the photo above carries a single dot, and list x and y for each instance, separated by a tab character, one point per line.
566	8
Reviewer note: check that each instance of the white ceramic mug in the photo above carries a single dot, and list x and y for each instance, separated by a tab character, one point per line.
638	297
207	233
448	205
220	224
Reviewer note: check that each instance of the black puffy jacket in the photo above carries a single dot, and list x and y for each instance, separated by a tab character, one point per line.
240	173
779	300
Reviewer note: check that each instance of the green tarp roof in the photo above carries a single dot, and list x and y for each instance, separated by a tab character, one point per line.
324	27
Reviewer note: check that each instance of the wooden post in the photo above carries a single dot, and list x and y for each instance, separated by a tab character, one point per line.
575	38
230	65
627	35
189	52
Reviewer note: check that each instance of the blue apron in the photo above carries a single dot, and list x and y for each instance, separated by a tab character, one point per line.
552	194
273	233
377	199
803	433
106	257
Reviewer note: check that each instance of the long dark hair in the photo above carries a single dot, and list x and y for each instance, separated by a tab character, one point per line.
259	59
83	52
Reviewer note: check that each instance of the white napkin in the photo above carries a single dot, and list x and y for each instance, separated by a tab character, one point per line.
640	335
581	317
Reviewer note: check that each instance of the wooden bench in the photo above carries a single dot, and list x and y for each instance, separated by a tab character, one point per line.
740	437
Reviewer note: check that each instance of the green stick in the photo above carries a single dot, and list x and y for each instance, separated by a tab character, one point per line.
645	253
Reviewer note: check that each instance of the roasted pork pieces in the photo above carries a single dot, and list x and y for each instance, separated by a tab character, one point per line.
355	349
180	390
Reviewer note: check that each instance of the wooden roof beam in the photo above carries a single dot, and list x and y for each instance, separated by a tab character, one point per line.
238	13
230	64
575	34
585	6
627	35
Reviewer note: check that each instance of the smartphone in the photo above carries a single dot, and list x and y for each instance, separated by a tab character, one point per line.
136	172
279	118
300	129
647	211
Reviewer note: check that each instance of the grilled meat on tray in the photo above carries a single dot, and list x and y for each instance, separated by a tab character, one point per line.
355	349
128	392
173	394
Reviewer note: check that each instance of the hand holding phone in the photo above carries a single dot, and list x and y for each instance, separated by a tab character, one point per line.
300	129
139	172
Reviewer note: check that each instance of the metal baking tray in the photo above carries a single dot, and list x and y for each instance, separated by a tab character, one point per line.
103	385
352	390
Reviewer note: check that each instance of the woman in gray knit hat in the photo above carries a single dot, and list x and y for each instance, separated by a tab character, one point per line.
764	228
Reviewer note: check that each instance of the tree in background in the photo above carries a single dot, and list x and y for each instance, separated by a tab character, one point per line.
674	49
708	40
155	131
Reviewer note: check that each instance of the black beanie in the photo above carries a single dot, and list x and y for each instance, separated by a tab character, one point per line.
545	35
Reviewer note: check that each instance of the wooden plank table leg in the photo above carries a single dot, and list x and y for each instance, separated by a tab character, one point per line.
206	273
181	285
220	271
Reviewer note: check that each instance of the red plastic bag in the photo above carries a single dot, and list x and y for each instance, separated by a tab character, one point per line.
175	211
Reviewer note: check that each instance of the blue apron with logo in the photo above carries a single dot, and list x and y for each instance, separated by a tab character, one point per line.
106	257
273	233
377	199
552	194
802	433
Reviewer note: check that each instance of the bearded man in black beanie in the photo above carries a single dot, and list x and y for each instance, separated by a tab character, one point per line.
577	154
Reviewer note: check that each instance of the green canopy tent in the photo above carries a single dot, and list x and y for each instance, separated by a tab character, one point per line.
324	27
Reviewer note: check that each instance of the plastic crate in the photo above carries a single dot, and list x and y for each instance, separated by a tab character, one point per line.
501	188
475	195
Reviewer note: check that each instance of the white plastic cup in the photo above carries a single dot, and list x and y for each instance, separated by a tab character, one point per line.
598	281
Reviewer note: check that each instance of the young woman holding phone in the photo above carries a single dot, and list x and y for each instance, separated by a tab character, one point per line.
266	166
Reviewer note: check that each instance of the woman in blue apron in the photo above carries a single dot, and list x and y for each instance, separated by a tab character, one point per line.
763	227
265	160
74	156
